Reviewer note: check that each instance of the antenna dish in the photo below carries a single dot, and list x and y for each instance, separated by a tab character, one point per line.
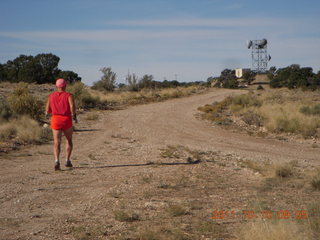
249	43
269	58
262	43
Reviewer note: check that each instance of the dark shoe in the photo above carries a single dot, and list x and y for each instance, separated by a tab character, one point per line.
68	164
57	166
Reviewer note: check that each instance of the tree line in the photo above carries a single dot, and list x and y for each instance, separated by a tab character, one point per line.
291	77
294	76
42	68
108	82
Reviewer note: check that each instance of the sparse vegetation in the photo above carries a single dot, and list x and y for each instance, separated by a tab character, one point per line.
315	181
268	230
92	117
85	233
22	130
216	112
314	219
22	102
82	96
176	210
124	216
311	110
118	98
284	170
277	111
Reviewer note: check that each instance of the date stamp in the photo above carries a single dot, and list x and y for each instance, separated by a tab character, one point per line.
263	214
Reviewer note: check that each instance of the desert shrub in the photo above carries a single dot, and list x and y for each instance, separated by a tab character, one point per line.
22	102
286	118
5	111
246	100
313	110
284	170
314	219
176	211
7	131
24	130
260	87
123	216
88	101
286	124
315	181
215	112
83	98
252	118
28	130
107	81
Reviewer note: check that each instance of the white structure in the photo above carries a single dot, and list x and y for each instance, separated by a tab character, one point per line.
241	71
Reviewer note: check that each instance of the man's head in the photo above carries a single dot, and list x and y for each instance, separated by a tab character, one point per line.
61	83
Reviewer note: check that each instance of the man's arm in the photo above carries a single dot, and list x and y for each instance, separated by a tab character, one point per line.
48	110
73	108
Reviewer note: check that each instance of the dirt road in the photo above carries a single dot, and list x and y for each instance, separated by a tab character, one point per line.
112	159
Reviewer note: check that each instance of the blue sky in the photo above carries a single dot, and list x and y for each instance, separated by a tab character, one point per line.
190	39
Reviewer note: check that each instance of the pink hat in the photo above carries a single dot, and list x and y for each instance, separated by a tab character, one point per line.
60	83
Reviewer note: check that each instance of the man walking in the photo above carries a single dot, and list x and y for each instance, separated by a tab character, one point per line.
62	107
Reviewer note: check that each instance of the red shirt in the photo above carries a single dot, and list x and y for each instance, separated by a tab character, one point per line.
59	103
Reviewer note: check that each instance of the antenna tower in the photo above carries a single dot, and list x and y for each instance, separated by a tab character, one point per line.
259	54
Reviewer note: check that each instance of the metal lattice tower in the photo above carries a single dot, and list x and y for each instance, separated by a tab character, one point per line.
259	55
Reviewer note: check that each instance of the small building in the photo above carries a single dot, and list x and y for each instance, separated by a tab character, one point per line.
241	71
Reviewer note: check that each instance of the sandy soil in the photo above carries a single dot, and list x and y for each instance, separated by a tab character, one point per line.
113	158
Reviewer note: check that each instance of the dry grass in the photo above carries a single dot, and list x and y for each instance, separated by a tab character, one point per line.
23	130
279	111
216	112
267	230
284	170
177	210
315	181
144	96
262	167
124	216
162	233
314	219
92	117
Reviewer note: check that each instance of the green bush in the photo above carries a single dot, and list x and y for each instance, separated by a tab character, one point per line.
22	102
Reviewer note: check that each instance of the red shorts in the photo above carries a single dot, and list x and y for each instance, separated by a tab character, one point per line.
60	122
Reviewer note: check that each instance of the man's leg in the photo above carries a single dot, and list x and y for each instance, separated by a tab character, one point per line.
56	147
69	145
